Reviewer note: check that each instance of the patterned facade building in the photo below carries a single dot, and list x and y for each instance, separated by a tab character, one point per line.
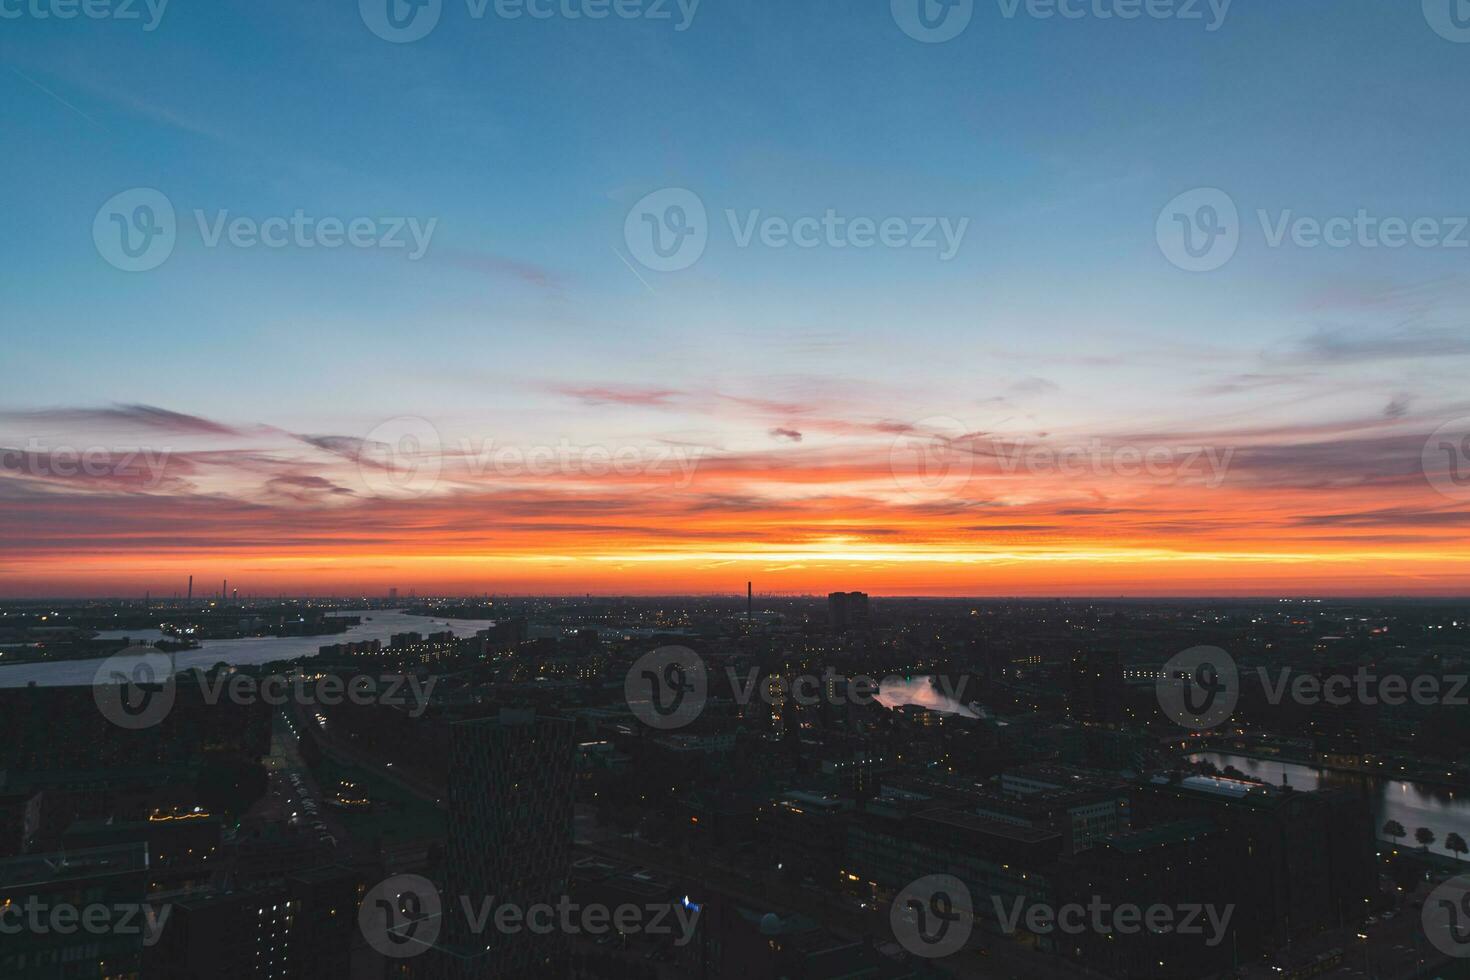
510	842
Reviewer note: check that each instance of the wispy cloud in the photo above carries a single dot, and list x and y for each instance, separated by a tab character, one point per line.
1343	345
620	395
135	417
499	266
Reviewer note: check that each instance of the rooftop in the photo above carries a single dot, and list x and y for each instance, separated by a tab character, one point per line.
90	862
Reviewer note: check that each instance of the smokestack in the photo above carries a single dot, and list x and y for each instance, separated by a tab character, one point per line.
191	591
749	601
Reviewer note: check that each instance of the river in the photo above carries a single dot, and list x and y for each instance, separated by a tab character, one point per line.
246	651
1414	805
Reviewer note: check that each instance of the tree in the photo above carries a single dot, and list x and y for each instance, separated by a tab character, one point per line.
1395	830
1424	836
1455	844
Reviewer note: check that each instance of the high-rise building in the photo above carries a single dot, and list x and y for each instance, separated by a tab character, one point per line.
847	610
510	839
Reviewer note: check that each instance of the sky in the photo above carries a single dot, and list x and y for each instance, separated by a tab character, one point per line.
963	300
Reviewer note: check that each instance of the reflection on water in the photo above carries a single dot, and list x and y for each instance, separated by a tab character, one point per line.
249	650
1414	805
922	691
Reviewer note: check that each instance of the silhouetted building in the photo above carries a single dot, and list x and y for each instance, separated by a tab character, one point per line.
302	927
1298	862
114	879
1175	866
847	610
510	839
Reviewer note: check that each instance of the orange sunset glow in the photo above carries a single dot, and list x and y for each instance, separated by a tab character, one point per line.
901	509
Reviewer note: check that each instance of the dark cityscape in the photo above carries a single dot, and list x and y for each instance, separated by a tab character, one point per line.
753	786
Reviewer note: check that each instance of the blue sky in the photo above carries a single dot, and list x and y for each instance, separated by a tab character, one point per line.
527	141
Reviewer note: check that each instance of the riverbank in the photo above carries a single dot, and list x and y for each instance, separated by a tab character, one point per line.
1428	777
1411	804
251	651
